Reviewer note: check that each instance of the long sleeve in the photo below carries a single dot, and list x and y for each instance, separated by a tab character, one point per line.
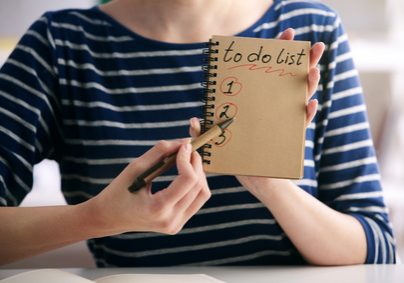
348	174
29	127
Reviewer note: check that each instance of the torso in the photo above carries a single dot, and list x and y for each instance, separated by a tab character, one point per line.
119	99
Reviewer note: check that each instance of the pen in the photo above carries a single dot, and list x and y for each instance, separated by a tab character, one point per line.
160	167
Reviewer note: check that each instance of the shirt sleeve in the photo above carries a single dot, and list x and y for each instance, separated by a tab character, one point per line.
348	174
29	127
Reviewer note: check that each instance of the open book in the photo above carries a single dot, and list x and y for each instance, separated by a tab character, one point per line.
60	276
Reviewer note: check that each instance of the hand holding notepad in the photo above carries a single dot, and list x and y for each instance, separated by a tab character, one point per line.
262	82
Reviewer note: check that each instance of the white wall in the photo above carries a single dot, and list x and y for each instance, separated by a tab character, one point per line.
363	16
17	15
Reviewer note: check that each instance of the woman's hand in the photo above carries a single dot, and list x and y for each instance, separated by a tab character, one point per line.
166	211
253	184
314	74
27	231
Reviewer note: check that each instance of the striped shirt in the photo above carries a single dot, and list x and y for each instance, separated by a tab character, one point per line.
85	91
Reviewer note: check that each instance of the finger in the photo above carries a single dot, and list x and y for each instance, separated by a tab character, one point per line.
315	54
190	204
184	160
182	205
151	157
197	164
202	184
189	197
311	111
194	127
313	80
287	34
199	194
202	197
184	181
157	152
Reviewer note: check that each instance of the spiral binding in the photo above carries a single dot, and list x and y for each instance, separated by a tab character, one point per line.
209	92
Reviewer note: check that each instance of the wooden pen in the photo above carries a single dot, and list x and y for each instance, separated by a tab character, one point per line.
156	170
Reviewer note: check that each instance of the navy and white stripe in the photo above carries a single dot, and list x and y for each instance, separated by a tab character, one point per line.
85	91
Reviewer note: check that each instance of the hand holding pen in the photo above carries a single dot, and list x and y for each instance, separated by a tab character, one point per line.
165	211
163	165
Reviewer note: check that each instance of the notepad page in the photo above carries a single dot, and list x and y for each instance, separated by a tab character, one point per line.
262	84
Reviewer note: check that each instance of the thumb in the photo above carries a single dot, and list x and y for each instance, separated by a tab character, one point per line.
194	127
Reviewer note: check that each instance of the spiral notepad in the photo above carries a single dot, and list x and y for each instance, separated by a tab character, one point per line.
262	83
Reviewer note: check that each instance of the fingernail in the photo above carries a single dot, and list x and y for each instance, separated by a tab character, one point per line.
195	122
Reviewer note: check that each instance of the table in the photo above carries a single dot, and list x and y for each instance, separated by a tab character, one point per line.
258	274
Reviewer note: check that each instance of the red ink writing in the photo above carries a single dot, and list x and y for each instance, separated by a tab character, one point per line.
226	110
230	86
267	69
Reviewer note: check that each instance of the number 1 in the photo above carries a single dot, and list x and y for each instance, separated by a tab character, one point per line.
230	84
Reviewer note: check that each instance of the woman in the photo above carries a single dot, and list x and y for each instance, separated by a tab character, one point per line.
96	88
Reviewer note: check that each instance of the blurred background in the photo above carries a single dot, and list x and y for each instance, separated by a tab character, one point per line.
375	29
